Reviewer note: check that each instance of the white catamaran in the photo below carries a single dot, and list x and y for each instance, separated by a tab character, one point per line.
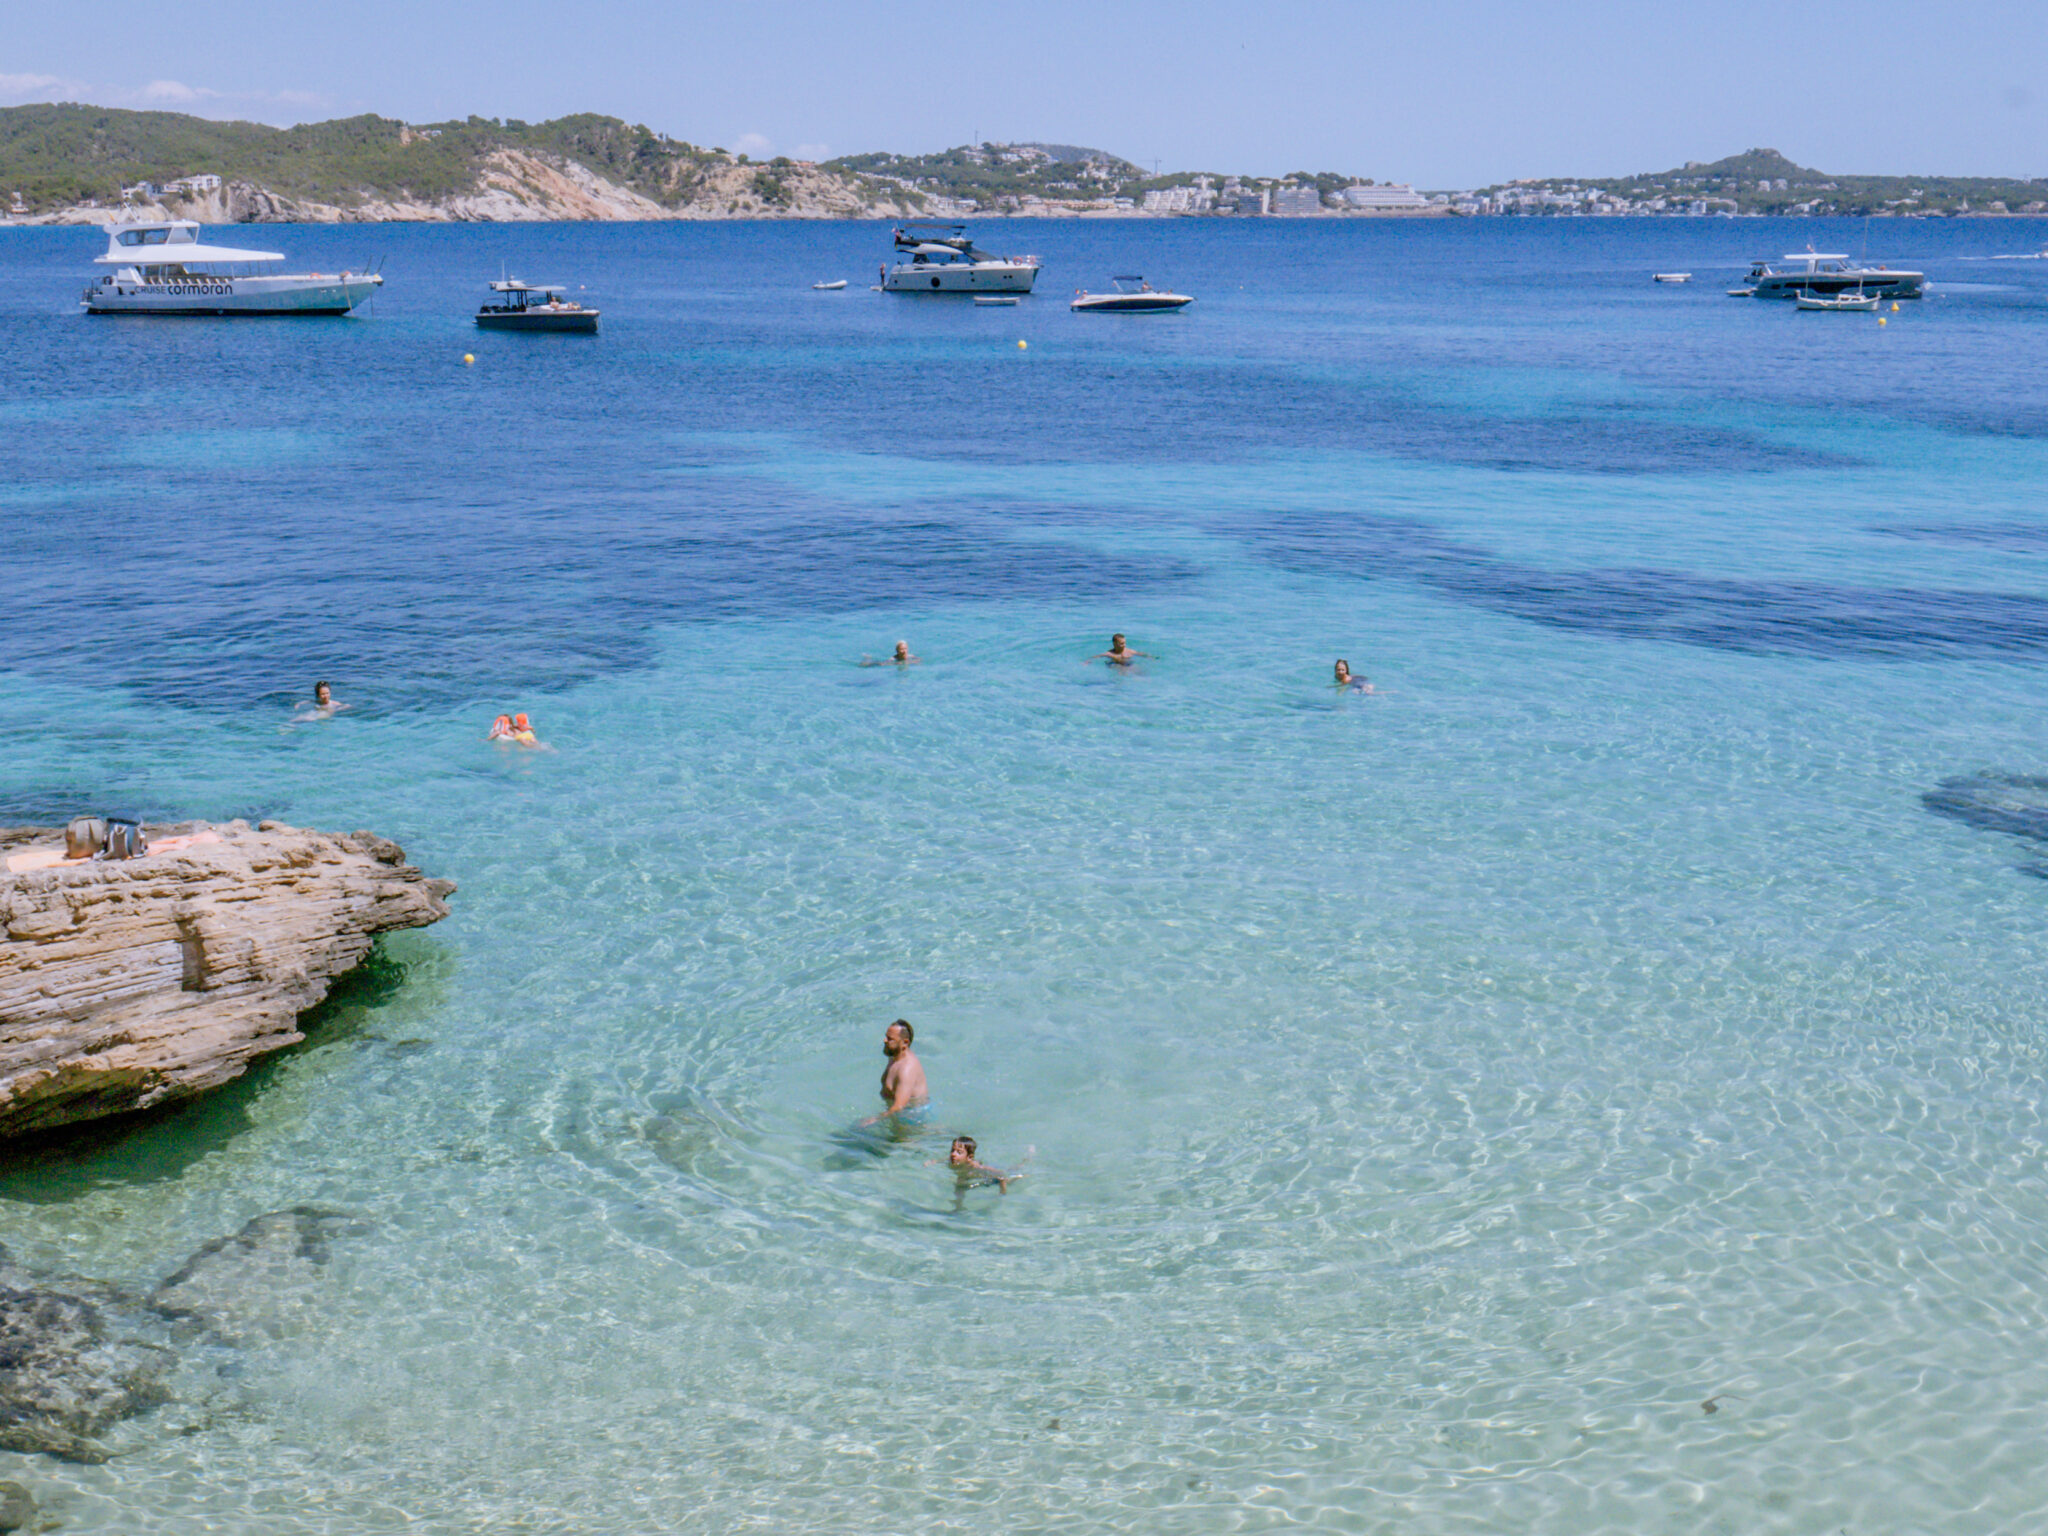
163	269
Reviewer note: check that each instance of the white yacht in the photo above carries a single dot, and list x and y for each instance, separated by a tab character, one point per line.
1828	276
163	269
939	258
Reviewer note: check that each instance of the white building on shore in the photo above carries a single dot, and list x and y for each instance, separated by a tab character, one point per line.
1394	197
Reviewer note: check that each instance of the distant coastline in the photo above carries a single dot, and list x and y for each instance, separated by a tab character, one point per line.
70	165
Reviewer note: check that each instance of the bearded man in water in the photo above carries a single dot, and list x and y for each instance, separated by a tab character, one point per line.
903	1084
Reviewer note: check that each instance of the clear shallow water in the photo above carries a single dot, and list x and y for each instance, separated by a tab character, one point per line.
1436	1096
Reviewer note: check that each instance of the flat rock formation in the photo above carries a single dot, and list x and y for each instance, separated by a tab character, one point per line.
125	985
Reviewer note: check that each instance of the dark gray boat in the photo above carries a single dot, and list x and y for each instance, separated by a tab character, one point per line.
534	307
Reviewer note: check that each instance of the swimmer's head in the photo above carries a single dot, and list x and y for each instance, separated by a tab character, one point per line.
963	1151
1343	670
903	650
1116	642
519	723
897	1037
322	694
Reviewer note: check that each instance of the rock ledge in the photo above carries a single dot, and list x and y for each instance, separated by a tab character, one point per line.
128	984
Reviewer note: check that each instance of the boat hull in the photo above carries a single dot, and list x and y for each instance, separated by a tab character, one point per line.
1130	303
960	277
306	294
577	322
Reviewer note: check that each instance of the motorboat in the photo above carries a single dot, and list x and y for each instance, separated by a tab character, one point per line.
1672	277
534	307
165	269
1132	296
1845	303
939	258
1830	275
996	300
830	287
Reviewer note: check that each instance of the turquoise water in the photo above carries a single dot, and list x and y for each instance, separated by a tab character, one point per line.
1436	1096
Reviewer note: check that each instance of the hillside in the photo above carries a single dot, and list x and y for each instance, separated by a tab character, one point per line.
1766	182
75	160
77	164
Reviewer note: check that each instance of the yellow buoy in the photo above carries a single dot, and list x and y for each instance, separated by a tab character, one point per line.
1022	345
1881	320
1895	306
468	358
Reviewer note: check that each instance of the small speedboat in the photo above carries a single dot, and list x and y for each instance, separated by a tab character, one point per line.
1741	293
992	300
534	307
830	287
1133	296
1842	303
1672	277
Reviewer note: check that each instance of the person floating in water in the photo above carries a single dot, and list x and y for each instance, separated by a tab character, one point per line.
903	1084
1118	654
516	729
902	657
1346	680
324	704
969	1172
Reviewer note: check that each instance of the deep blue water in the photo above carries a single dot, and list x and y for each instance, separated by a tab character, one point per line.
1436	1095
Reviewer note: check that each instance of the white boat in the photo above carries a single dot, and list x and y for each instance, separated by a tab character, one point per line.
830	287
994	300
939	258
1133	296
1672	277
1846	303
1830	275
164	269
534	307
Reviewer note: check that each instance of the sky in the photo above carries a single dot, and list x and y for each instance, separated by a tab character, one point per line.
1450	94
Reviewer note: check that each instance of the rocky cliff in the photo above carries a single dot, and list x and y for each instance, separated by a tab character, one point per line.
514	185
129	984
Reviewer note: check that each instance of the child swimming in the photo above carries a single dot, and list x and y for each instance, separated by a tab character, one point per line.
969	1172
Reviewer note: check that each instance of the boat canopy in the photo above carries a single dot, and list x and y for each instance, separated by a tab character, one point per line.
176	240
513	285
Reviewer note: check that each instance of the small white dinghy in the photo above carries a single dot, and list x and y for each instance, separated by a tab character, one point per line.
1841	303
1672	277
830	287
994	300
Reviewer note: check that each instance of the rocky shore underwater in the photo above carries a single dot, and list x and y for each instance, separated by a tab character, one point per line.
131	984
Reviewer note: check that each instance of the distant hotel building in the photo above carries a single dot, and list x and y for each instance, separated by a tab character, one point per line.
1391	198
1297	202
